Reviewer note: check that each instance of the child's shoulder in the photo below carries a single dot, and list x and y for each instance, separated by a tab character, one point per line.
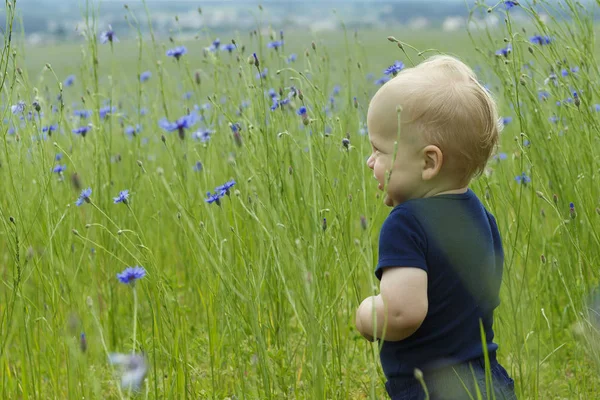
438	211
403	217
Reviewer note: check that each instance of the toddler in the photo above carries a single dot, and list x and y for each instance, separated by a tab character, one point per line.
440	252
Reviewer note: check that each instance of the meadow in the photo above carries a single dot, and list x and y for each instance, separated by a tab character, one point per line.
257	221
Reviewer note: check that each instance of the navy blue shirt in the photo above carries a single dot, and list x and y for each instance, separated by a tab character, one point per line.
456	241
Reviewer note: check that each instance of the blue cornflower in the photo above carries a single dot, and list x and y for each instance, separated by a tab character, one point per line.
505	51
213	198
104	111
262	74
82	130
143	111
18	108
84	196
202	135
291	58
198	166
58	156
523	178
59	169
183	123
131	274
500	156
49	128
108	36
302	112
215	45
235	128
177	52
382	80
144	76
275	104
336	90
283	102
130	130
275	44
187	95
510	4
564	72
394	69
553	119
506	120
230	47
69	81
83	114
540	40
543	95
596	107
122	197
575	70
272	93
224	189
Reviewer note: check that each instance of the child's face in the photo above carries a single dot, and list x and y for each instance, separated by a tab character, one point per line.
405	180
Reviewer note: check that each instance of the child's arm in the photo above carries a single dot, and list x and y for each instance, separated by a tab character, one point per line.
399	309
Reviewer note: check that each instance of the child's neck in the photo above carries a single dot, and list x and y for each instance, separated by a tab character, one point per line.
453	191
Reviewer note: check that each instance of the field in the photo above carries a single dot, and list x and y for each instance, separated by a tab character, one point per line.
253	295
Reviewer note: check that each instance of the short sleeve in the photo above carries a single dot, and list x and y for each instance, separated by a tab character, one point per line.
498	248
402	242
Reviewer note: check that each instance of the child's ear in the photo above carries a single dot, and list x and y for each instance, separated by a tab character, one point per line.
433	160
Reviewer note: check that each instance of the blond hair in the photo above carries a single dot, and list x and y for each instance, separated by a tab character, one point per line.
443	101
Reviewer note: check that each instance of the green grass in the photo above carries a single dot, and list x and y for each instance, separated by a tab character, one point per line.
254	298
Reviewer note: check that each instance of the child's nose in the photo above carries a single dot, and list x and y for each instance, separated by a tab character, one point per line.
371	162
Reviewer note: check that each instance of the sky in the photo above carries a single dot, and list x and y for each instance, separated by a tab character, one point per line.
213	2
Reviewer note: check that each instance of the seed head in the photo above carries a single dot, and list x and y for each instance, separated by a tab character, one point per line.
418	374
83	342
363	222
